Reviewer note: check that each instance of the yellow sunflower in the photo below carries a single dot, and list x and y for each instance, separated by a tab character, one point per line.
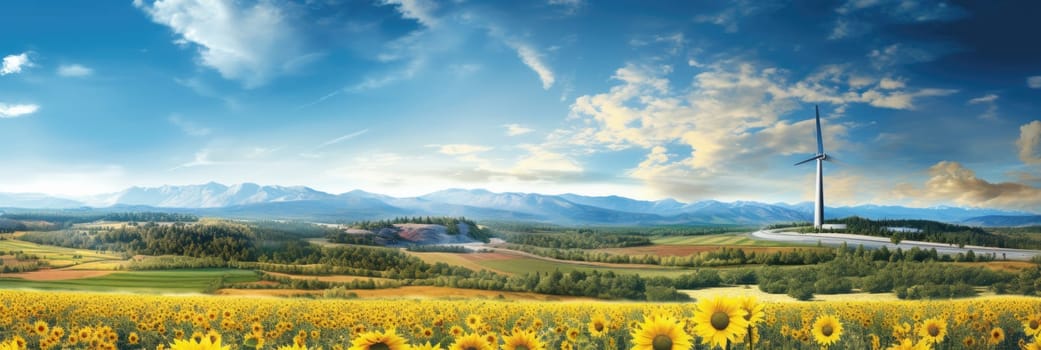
471	341
933	330
754	310
827	330
1032	325
292	347
660	332
969	341
996	336
907	344
204	344
389	340
598	326
41	328
719	321
426	346
9	345
522	340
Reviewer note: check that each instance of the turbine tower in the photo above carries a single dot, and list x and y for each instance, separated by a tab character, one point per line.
818	204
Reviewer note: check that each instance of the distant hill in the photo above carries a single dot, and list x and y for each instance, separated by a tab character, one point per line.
1004	220
253	201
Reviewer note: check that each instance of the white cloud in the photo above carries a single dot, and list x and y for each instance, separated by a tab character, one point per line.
841	29
516	129
891	84
17	110
246	42
898	54
202	158
1029	142
419	10
1034	82
189	127
984	99
989	100
541	160
74	70
951	181
533	60
15	63
726	19
460	149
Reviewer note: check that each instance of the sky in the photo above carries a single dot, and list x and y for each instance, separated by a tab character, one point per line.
923	103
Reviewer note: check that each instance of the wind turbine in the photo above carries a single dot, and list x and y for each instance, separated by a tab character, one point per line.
818	207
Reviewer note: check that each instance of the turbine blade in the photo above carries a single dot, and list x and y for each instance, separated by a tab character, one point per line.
814	158
820	142
832	159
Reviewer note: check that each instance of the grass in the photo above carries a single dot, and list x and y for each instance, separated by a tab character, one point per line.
176	281
56	256
525	265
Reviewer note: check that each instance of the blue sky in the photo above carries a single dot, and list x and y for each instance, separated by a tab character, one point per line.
924	103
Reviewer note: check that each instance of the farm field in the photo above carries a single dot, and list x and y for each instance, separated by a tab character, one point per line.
74	320
175	281
56	256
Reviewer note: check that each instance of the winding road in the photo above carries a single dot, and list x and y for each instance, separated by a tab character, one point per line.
872	242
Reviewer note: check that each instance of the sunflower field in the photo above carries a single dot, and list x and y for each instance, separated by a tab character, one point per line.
50	320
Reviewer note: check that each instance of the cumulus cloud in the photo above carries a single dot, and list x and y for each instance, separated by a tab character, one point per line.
952	182
1029	142
246	42
15	63
533	59
516	129
730	117
1034	82
17	110
419	10
74	70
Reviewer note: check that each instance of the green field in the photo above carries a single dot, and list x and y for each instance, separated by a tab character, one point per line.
725	239
56	256
179	281
525	265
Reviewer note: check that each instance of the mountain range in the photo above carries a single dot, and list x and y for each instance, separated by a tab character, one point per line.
248	200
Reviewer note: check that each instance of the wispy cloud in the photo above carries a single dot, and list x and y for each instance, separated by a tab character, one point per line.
314	153
74	70
17	110
533	59
189	127
516	129
15	63
343	138
989	100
